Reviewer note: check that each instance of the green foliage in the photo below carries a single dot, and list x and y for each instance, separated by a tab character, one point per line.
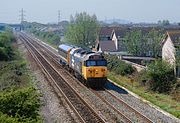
154	38
50	37
140	44
6	51
82	30
14	74
118	66
4	118
176	91
161	76
133	42
22	104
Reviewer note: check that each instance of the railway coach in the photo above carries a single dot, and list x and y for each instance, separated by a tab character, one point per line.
90	67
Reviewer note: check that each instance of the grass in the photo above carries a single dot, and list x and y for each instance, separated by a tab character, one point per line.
163	101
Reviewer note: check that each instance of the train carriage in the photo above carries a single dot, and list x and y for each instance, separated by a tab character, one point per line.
64	52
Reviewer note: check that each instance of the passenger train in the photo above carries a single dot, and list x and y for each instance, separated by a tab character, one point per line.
90	67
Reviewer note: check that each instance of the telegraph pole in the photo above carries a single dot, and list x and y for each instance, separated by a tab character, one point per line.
22	15
59	17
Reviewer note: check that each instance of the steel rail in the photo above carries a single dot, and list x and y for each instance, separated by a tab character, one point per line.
128	106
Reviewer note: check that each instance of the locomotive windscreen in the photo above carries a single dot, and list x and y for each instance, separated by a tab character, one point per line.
96	63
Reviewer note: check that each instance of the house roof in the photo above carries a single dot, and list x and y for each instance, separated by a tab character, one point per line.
121	31
107	45
174	35
106	31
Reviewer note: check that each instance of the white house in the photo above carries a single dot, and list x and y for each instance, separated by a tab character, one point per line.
171	48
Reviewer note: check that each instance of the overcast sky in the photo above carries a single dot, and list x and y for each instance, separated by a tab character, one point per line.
45	11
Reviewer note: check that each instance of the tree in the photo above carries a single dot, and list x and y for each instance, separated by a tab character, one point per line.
82	30
139	44
133	42
154	38
164	22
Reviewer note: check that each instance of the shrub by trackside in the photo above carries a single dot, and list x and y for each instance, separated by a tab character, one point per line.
118	66
20	105
161	77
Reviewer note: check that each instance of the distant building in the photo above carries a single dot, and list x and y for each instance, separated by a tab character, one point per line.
111	39
171	49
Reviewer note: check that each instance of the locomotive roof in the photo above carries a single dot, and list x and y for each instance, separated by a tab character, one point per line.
86	57
65	47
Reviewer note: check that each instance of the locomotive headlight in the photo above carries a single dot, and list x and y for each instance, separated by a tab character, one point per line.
96	71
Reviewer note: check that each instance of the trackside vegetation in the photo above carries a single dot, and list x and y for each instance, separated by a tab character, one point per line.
157	84
49	37
19	100
118	66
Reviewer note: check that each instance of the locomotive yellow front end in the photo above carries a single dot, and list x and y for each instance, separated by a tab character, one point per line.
94	71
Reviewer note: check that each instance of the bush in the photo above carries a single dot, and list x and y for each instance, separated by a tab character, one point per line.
22	104
7	119
13	74
161	76
176	91
118	66
6	51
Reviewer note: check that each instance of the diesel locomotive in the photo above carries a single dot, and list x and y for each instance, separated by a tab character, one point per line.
90	67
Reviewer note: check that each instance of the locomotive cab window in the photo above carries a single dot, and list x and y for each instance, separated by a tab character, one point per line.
90	63
102	63
96	63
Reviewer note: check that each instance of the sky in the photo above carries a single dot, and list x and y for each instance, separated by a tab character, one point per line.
45	11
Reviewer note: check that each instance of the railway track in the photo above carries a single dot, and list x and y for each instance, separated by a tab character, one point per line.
82	109
135	115
128	106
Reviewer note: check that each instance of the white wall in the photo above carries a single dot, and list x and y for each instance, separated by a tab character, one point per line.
114	38
168	51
